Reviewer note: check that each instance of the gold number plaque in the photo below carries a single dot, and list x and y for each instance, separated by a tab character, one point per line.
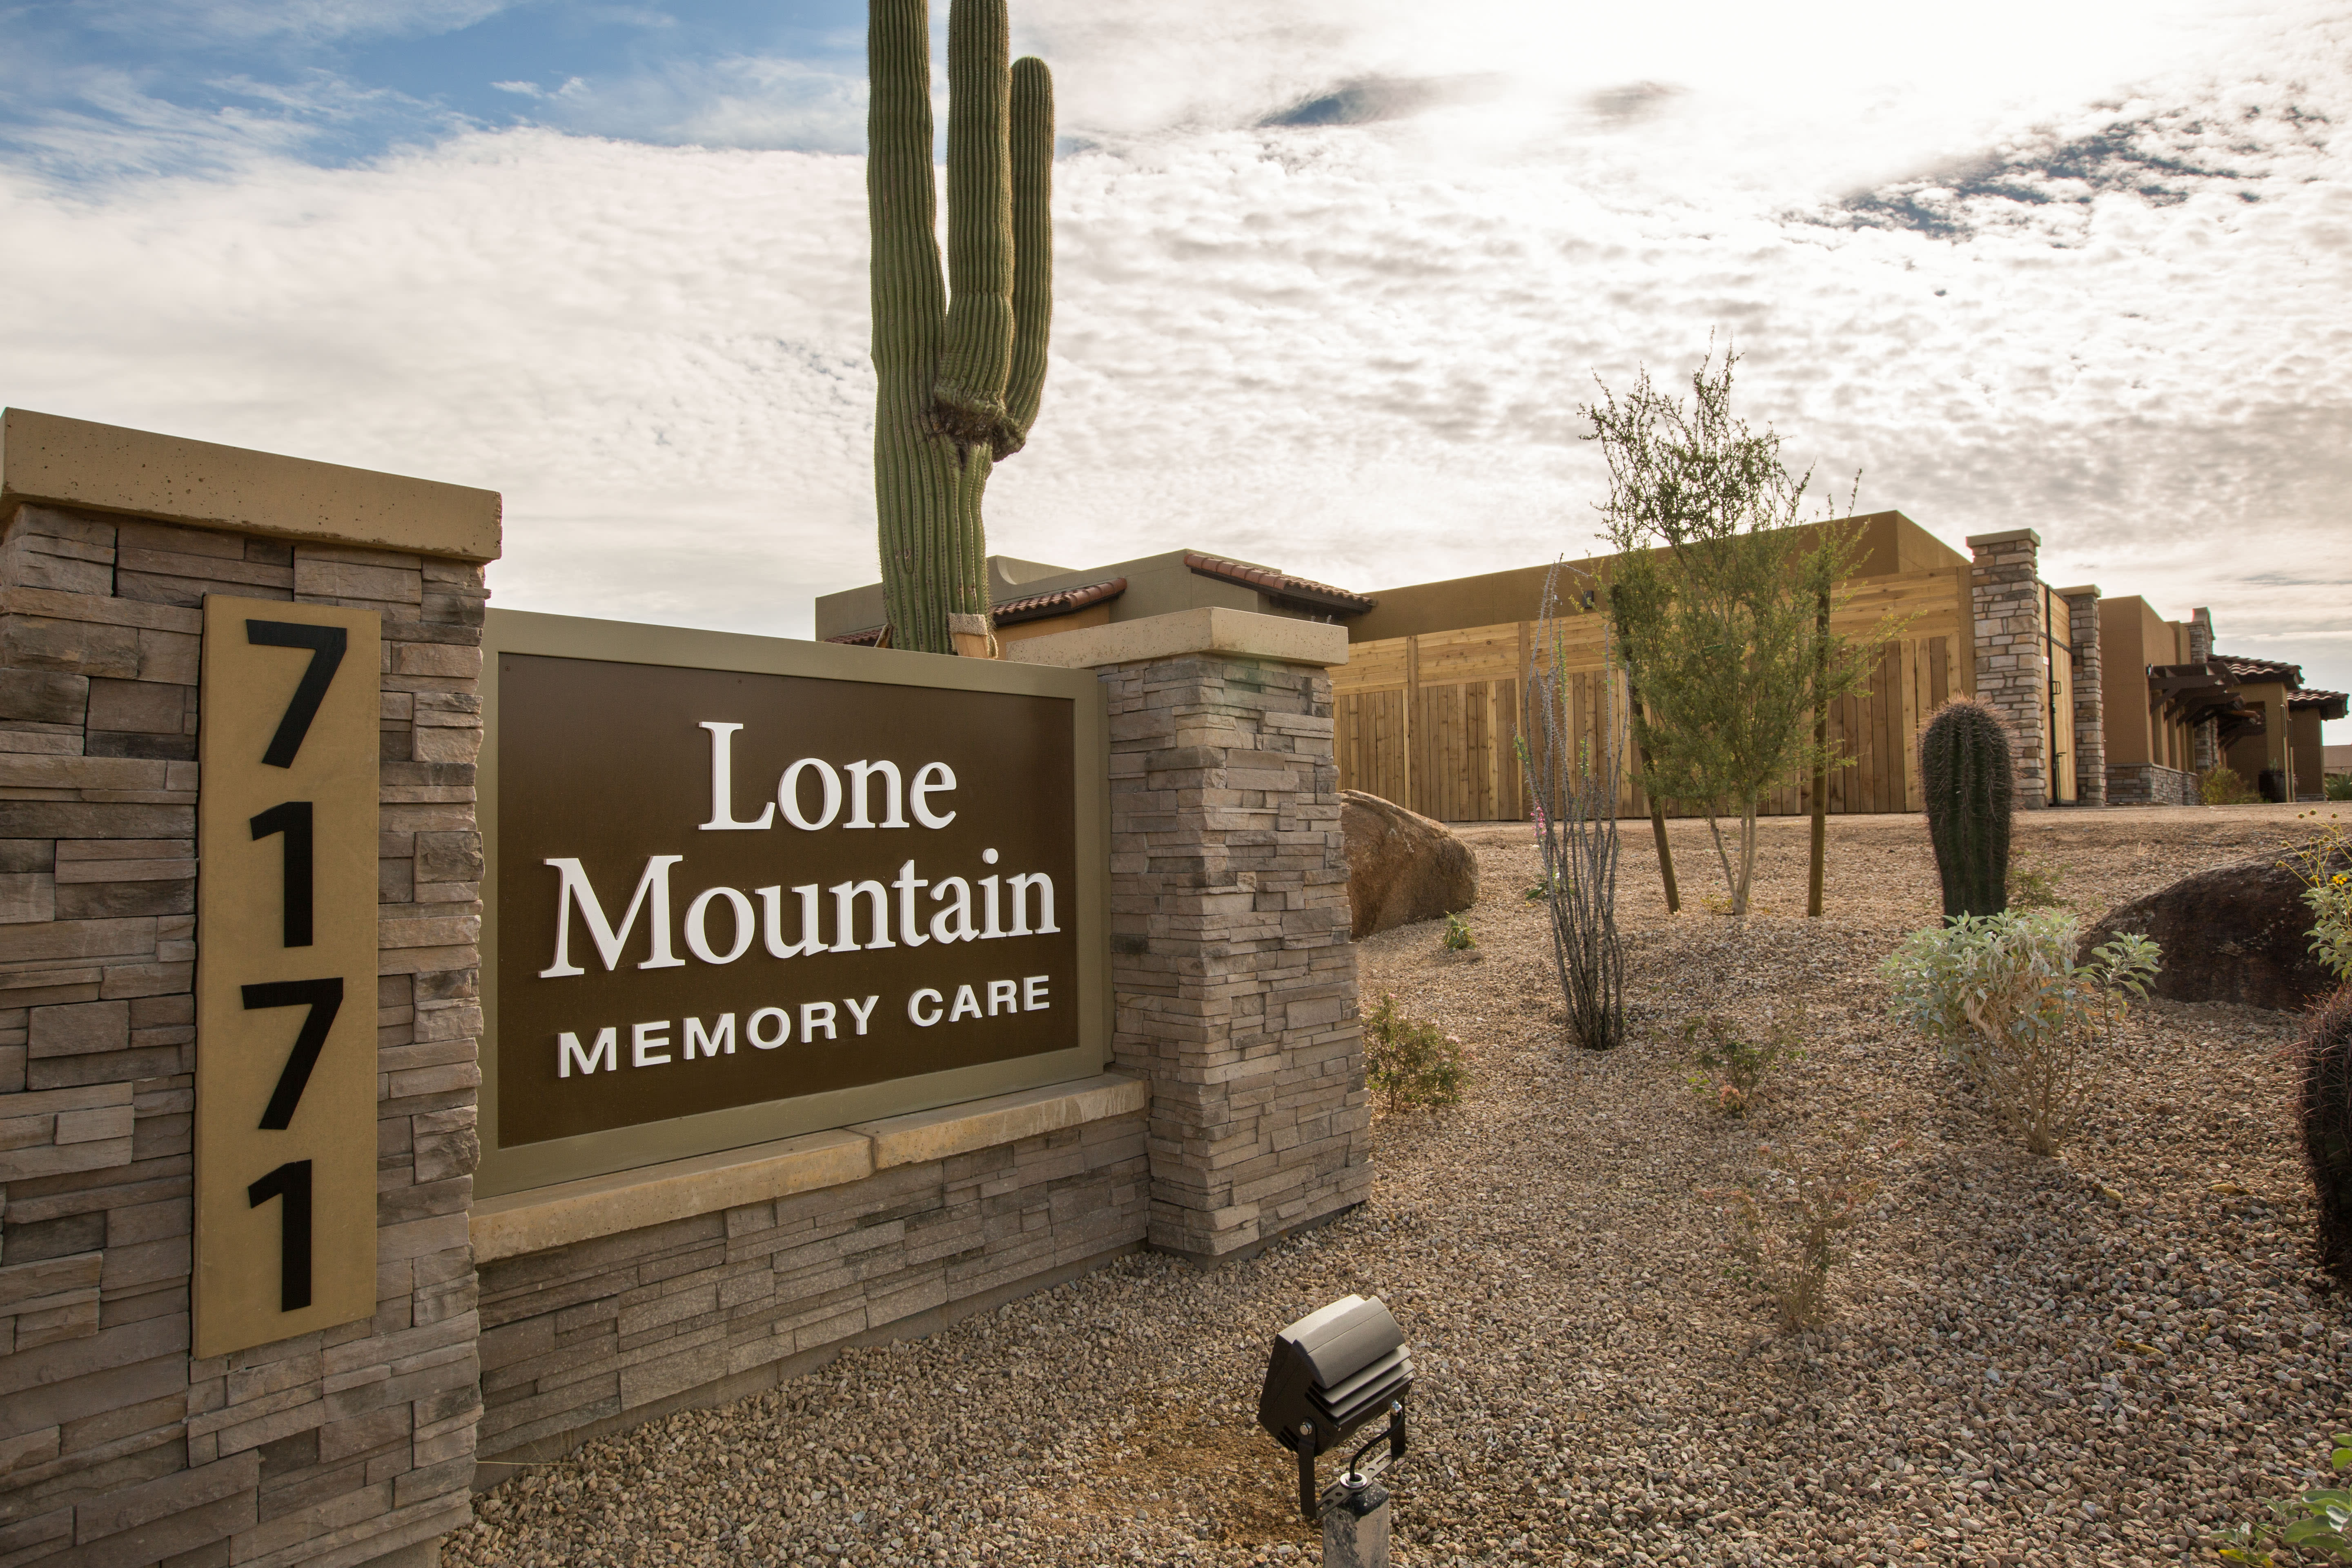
286	968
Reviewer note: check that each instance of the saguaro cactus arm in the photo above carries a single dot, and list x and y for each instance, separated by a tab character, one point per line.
977	352
908	296
1033	249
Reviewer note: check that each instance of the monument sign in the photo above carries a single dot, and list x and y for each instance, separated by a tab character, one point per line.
746	888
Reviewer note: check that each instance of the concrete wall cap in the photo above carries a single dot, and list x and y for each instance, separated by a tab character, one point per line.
51	461
2082	591
544	1218
1986	540
1002	1118
1234	633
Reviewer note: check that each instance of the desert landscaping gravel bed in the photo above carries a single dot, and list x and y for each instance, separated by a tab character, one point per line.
2093	1359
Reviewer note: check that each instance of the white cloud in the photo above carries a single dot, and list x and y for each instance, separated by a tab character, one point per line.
1355	351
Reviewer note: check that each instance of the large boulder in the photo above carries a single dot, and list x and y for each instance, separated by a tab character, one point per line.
1402	867
2236	933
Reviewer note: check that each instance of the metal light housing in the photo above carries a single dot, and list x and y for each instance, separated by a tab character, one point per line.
1332	1371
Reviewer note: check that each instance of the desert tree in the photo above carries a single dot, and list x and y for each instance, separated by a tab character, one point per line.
1727	598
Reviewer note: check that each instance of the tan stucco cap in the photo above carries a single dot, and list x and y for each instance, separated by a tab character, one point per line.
1235	634
52	460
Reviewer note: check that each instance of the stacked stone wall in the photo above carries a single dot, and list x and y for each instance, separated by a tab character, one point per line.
599	1335
1235	984
339	1447
2090	697
2145	784
2205	736
2012	662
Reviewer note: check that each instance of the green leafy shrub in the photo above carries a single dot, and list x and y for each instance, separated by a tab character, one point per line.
1792	1220
2326	867
1457	935
2336	786
2222	786
1730	1068
1410	1063
1540	891
2004	997
2033	884
2310	1527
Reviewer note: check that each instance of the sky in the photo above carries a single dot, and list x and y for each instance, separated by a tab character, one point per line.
1332	279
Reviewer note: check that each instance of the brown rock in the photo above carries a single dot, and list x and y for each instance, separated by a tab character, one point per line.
2236	933
1402	867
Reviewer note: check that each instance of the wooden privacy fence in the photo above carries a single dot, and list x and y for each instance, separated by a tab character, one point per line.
1428	721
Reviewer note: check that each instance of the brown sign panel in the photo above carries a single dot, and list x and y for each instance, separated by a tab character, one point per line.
720	889
286	973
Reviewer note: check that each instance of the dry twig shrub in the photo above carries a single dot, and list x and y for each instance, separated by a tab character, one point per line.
1793	1220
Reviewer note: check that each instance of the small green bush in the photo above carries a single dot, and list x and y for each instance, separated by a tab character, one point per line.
1731	1069
2222	786
2033	884
2325	866
2312	1527
2004	997
1409	1063
1457	935
1540	891
2336	786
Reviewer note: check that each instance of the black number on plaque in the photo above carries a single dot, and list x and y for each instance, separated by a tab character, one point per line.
324	998
327	645
291	1183
292	819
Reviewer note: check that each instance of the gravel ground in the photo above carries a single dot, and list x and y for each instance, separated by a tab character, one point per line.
2082	1360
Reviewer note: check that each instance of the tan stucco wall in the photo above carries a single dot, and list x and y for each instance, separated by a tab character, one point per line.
1890	542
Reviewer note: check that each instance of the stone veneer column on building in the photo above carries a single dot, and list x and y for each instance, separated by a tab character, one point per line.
2013	660
1230	963
2206	737
2090	696
348	1446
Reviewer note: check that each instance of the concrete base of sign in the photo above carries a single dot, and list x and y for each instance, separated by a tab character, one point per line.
674	1289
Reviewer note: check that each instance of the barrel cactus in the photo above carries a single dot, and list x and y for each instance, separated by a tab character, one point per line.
1964	773
2326	1049
960	360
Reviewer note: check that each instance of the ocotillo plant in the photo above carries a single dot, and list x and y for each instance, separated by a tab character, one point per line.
1964	772
961	362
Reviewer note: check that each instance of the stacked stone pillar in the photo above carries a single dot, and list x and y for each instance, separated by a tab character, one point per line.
2013	661
2090	696
2205	736
1233	977
348	1446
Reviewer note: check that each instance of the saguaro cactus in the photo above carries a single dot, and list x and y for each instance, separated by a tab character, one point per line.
961	363
1964	772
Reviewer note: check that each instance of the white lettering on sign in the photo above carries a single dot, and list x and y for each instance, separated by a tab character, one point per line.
568	1053
575	888
898	797
722	786
863	916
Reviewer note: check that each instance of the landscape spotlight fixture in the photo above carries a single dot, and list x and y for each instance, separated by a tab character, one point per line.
1332	1371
